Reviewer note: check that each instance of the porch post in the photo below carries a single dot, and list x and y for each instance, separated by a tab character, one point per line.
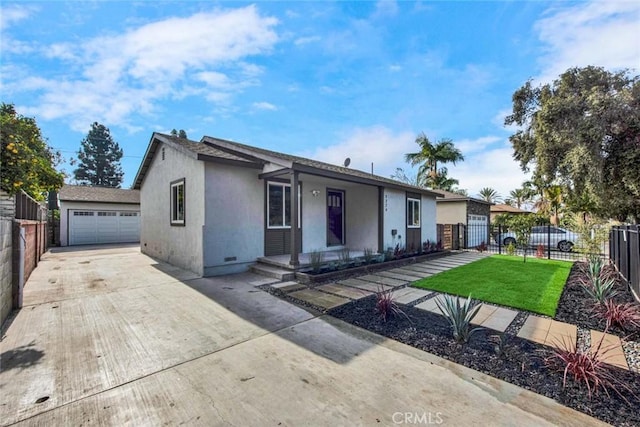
380	220
294	261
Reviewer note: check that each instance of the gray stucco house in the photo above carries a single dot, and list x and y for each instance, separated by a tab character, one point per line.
216	206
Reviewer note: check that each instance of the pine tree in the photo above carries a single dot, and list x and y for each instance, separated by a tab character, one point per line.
99	159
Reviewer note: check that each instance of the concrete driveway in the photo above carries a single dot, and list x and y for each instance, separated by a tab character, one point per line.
112	337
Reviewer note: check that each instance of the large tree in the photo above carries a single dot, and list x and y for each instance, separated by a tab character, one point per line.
430	156
583	132
99	159
26	161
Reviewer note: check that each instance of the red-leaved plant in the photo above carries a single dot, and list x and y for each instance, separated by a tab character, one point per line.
386	304
540	251
623	315
587	367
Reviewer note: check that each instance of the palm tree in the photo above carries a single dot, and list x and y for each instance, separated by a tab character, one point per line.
441	181
555	197
430	155
490	195
519	197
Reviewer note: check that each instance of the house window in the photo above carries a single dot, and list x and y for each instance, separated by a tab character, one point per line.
413	213
279	205
177	202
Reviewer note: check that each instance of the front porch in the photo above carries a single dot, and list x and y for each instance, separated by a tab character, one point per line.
284	261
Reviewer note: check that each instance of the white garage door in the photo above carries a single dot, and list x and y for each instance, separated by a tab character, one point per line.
88	227
477	230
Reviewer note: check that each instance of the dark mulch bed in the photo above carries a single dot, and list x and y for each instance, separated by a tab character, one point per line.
576	307
522	364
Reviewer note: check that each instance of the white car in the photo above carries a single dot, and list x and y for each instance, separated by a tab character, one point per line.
554	237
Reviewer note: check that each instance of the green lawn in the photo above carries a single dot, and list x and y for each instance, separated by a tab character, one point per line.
534	286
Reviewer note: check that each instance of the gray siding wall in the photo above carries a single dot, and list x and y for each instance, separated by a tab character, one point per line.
234	218
177	245
429	227
6	298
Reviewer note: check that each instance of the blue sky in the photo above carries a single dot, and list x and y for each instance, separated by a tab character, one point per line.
326	80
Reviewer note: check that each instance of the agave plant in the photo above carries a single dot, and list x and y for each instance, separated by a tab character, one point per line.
459	315
600	288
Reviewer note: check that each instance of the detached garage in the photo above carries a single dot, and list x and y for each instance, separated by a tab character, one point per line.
98	215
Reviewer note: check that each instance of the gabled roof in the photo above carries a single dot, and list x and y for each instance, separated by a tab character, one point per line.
86	193
503	208
314	167
196	150
448	196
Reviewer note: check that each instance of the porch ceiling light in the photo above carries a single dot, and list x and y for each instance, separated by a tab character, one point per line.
315	193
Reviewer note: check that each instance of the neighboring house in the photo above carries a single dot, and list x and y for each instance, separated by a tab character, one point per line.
473	213
216	207
501	208
96	215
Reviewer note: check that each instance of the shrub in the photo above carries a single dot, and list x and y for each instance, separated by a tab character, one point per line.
511	249
626	316
459	315
368	255
586	367
316	258
399	251
540	251
482	247
386	304
344	256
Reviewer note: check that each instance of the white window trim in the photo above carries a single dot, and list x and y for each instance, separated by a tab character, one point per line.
284	200
173	213
410	202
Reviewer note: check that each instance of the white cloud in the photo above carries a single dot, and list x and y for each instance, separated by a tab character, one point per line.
264	106
468	146
395	68
601	33
385	8
306	40
377	144
125	74
493	168
14	13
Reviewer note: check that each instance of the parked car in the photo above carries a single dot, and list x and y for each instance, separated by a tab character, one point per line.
555	237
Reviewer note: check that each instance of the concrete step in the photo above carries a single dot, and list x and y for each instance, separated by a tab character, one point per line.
270	271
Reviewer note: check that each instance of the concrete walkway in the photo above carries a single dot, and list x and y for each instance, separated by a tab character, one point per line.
542	330
111	337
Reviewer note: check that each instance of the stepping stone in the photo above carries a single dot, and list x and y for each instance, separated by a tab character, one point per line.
264	281
430	305
434	267
562	335
611	349
288	286
500	319
408	295
535	329
429	270
419	268
483	314
375	278
398	276
344	291
319	299
366	286
408	272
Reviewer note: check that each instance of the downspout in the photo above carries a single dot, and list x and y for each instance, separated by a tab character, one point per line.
294	261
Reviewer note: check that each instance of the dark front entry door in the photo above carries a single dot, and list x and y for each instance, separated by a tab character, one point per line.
335	217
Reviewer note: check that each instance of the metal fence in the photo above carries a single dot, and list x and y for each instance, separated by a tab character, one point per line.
624	247
546	241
